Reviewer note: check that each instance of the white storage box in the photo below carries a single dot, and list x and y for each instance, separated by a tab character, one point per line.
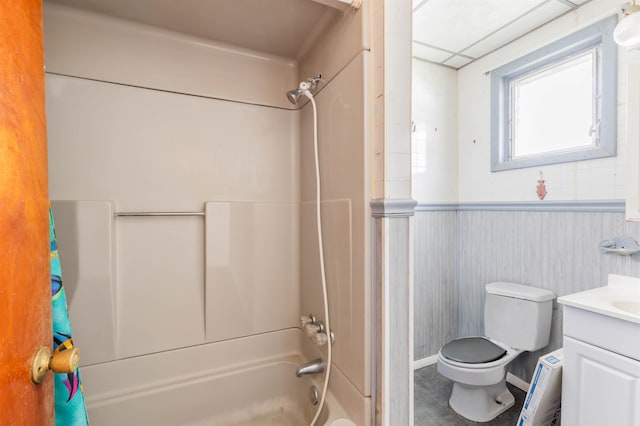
542	404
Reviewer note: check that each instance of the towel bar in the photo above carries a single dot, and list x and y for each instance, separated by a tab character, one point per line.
158	213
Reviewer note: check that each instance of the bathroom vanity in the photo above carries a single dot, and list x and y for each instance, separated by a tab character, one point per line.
601	372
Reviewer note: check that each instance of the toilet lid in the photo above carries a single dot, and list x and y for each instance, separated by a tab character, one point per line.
472	350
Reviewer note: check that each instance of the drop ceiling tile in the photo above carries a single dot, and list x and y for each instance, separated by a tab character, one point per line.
517	28
454	25
429	53
457	61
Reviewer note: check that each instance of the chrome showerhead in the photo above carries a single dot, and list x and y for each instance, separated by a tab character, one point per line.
294	96
305	86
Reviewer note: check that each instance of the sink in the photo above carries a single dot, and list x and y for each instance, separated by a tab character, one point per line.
620	298
606	317
627	306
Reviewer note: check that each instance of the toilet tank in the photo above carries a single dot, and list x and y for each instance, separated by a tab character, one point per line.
518	315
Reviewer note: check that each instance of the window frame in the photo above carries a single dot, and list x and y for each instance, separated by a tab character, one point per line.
599	34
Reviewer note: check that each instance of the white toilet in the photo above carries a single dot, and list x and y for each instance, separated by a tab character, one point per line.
517	318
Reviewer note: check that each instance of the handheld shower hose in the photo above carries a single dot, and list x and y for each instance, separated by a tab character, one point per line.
325	385
294	96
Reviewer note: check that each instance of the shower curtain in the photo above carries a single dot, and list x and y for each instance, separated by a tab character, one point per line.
69	400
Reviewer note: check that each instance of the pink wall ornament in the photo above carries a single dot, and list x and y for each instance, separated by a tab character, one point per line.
541	189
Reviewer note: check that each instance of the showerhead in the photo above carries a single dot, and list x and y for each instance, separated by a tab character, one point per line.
294	96
304	89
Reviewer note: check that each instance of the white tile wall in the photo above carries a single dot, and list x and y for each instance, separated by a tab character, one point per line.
397	90
587	180
435	140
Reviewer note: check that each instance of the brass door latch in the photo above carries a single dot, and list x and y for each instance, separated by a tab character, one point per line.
61	362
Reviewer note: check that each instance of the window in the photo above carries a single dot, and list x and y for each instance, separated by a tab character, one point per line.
557	104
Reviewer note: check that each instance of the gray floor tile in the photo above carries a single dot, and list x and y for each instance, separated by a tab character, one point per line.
431	399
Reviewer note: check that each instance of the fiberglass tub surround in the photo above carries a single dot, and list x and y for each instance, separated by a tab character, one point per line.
194	137
247	382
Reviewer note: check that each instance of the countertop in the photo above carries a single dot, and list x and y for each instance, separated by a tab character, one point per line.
620	298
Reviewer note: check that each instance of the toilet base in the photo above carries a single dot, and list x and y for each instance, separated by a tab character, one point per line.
481	403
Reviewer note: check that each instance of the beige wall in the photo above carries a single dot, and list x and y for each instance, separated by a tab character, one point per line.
126	128
345	216
95	46
139	140
342	56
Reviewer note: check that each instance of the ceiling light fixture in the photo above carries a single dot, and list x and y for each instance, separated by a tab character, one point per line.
627	32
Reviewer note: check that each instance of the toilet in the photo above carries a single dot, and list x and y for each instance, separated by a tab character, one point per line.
517	318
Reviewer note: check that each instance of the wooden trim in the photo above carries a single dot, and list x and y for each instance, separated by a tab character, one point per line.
25	292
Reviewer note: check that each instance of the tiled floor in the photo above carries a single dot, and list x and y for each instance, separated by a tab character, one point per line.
431	396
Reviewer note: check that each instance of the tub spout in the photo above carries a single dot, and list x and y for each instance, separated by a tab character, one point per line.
312	367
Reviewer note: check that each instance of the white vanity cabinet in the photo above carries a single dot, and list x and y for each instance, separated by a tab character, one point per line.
601	370
600	387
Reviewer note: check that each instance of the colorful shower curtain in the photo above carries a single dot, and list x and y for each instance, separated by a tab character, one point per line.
69	399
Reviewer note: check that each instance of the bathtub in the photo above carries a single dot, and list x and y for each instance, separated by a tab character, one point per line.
192	387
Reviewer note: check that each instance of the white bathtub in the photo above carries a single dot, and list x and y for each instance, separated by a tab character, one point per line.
175	388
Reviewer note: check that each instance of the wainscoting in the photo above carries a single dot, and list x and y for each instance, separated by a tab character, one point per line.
557	250
435	291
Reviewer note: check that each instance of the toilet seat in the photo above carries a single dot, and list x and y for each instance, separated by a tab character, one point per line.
486	372
479	391
472	350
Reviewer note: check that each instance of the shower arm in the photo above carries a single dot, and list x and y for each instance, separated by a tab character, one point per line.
341	4
313	82
304	88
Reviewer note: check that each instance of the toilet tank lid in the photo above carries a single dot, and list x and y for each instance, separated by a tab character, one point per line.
519	291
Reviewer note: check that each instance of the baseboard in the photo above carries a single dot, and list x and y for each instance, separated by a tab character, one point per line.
517	382
425	362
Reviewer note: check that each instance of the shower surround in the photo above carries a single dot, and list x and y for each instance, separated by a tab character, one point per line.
144	119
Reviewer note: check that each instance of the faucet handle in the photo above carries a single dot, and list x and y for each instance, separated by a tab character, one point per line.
307	319
320	339
311	330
